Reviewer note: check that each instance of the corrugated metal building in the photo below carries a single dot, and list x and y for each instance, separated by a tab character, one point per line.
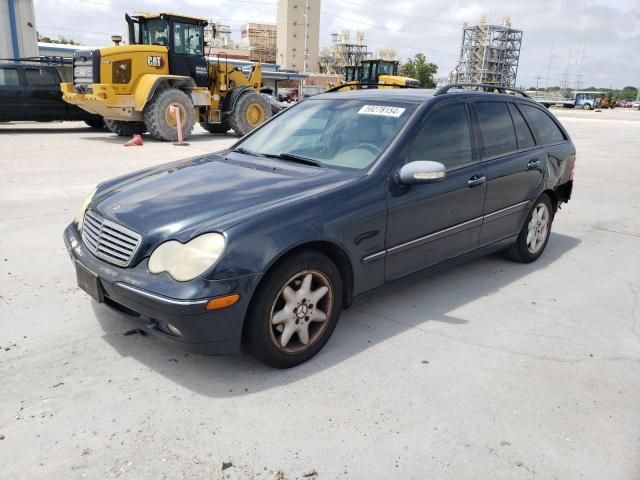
18	36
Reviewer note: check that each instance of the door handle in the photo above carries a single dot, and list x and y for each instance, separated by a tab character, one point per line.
535	163
476	180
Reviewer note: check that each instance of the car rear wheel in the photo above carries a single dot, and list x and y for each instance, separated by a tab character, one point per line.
295	310
534	235
125	129
215	127
96	123
586	106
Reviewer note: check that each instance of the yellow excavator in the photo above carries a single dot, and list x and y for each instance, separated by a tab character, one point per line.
134	86
372	74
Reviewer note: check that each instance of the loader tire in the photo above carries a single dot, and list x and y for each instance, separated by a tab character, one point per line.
251	111
125	129
161	123
215	127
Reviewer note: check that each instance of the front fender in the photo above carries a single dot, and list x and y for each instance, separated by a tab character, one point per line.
149	83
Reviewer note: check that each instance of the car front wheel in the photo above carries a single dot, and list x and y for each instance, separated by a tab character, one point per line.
295	310
534	235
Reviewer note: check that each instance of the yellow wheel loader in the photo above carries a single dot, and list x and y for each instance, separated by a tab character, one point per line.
134	86
372	74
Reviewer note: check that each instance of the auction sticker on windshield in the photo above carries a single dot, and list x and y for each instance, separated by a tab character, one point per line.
384	110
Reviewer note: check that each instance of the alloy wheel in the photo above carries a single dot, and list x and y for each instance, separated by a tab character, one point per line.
301	310
538	228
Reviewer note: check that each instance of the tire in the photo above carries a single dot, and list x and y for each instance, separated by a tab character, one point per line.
586	106
525	250
215	127
96	123
270	316
125	129
251	111
161	123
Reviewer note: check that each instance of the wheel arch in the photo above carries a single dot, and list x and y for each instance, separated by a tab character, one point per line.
337	254
230	100
149	84
333	251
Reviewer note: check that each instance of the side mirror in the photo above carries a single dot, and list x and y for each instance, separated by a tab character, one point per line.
422	171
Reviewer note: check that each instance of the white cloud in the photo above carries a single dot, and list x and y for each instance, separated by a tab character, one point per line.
609	29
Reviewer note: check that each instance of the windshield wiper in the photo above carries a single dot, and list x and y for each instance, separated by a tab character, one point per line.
247	152
296	158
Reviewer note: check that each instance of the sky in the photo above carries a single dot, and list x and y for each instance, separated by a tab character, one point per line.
596	42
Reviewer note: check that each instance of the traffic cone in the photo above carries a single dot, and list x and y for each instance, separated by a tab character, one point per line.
136	141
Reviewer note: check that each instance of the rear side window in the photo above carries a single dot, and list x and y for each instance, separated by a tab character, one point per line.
525	139
544	128
9	77
40	77
498	136
444	138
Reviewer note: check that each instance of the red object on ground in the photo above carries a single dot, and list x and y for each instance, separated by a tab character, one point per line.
136	141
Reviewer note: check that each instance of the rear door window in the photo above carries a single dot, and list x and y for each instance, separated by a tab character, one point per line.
9	77
544	128
40	77
445	137
496	127
525	138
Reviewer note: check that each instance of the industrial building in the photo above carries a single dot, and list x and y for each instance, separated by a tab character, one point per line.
260	40
298	38
489	54
343	52
18	36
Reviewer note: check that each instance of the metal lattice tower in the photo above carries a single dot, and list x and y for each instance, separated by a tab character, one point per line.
489	54
343	52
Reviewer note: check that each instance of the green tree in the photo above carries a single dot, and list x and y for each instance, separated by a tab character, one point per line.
418	68
61	40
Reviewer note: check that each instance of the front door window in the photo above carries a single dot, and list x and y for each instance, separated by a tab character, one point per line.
187	39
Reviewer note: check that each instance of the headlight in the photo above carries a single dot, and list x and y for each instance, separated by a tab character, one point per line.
185	261
83	208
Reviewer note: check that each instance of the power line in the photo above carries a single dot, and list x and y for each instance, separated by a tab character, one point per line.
388	12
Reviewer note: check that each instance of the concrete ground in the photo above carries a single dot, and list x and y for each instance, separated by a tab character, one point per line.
491	370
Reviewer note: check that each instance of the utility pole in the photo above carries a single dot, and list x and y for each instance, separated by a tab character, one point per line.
579	75
306	34
538	81
549	64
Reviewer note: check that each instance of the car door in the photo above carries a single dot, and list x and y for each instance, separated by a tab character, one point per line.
43	97
513	167
430	223
11	96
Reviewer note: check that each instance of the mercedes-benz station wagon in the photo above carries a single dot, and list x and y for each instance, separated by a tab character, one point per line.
263	244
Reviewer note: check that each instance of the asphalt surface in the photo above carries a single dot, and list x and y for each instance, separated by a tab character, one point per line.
491	370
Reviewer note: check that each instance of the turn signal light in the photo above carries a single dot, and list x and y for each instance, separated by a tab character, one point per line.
222	302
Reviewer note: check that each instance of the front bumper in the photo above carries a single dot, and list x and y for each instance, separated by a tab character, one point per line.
142	297
103	101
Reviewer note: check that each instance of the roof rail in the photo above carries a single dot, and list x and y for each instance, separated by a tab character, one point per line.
485	88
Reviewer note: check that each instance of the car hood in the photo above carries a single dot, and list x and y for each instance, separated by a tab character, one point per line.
214	192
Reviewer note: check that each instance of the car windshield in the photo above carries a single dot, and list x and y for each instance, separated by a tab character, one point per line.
331	132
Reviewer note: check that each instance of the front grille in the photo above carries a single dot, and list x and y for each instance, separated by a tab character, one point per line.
82	74
85	66
108	240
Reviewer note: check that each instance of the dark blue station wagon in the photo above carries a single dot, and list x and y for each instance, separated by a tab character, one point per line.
262	245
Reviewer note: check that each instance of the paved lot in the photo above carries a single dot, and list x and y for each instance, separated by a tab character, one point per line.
492	370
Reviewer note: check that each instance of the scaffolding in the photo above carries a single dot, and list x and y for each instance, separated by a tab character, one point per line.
260	39
489	54
343	52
